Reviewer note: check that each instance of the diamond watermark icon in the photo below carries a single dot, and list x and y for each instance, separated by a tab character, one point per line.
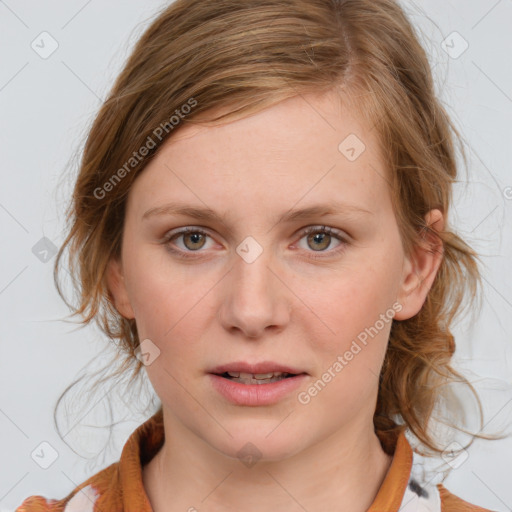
249	455
44	45
44	455
249	249
454	45
44	249
147	352
351	147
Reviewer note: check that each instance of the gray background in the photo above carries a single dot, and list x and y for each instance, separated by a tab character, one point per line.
46	106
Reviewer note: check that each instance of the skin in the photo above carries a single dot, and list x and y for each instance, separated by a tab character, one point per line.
286	306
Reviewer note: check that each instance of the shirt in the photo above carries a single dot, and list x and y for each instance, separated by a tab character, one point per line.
119	487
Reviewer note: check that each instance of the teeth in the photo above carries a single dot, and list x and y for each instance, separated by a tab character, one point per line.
257	378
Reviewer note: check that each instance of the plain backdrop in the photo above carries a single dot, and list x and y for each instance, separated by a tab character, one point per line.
47	102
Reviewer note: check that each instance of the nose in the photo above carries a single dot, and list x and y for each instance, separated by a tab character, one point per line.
256	299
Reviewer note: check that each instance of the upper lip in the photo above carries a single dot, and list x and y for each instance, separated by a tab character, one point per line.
254	368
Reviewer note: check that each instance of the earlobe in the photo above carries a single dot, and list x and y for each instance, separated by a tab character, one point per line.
421	267
117	288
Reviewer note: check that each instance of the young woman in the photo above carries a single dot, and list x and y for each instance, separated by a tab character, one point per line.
261	219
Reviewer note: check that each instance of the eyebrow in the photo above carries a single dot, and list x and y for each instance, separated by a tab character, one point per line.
317	210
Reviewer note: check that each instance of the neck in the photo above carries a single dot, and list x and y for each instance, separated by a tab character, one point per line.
346	468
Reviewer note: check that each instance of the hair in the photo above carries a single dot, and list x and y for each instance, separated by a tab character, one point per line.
234	58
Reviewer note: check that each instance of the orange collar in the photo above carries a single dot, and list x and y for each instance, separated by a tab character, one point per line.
391	492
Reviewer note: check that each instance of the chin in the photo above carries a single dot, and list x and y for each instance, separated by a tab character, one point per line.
251	445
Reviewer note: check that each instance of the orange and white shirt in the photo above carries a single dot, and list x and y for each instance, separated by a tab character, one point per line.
119	487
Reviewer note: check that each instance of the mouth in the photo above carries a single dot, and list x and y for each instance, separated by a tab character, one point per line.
255	385
256	378
264	372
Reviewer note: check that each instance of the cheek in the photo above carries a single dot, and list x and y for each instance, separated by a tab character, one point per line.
172	305
354	307
349	355
163	294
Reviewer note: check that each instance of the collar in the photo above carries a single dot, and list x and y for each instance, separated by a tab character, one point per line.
123	485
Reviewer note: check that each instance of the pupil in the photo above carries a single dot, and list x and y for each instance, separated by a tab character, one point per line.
194	238
318	238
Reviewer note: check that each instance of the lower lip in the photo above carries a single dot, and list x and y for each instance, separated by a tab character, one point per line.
256	394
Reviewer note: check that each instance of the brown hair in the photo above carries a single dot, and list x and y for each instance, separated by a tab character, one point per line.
242	56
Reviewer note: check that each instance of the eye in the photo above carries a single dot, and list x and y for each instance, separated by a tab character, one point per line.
193	239
320	238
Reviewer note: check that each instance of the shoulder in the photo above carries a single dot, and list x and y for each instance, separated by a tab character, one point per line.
36	504
452	503
81	499
117	487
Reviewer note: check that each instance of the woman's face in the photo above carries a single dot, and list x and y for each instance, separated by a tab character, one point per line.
251	287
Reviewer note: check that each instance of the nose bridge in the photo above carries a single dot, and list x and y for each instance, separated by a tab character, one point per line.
252	276
252	265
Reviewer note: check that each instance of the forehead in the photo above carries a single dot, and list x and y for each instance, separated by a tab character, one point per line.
310	146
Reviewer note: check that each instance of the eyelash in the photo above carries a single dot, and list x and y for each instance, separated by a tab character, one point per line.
310	229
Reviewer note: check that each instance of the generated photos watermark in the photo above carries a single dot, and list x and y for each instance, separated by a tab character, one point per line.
151	142
304	397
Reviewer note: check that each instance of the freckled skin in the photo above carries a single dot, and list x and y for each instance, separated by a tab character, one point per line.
286	306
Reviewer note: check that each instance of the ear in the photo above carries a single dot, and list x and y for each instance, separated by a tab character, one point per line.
420	267
117	288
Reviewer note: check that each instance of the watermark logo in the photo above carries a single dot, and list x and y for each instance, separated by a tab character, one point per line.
249	455
44	45
249	250
44	250
44	455
147	352
454	45
352	147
